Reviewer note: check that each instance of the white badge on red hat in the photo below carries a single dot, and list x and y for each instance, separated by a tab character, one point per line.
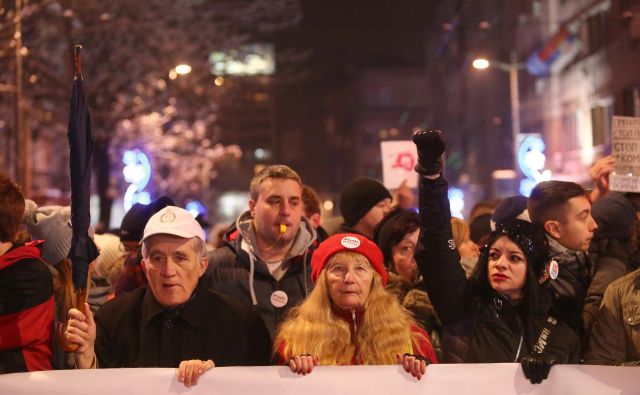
350	242
279	298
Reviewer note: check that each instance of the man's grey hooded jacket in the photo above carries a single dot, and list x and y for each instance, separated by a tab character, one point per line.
238	270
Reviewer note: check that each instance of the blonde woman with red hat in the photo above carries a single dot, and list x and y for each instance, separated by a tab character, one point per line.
349	318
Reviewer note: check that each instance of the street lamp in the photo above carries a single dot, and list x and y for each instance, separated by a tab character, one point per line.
183	69
512	68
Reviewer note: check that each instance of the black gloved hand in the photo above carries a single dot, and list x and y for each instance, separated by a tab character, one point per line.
430	146
536	368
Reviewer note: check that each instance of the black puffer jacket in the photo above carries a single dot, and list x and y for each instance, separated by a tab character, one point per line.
480	328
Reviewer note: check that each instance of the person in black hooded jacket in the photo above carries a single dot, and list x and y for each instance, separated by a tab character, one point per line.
610	249
502	313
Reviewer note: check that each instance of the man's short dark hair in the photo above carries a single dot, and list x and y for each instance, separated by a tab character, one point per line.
275	171
11	208
548	199
310	201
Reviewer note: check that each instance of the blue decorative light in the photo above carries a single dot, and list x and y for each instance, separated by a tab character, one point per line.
531	160
137	172
195	208
456	201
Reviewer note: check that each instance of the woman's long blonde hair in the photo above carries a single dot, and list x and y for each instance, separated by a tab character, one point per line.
314	328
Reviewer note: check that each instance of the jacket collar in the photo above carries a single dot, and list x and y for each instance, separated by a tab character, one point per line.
562	253
152	309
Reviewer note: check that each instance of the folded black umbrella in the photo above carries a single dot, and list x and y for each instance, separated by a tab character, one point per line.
83	250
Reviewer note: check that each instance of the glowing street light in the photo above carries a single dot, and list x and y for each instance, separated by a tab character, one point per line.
512	68
183	69
480	64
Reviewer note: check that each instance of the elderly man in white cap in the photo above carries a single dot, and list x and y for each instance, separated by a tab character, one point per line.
175	321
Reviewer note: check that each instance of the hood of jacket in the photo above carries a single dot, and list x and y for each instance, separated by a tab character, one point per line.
243	227
615	216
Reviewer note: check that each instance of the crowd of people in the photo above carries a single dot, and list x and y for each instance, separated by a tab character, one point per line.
552	279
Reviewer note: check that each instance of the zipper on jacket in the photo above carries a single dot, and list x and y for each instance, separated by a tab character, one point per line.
519	349
355	325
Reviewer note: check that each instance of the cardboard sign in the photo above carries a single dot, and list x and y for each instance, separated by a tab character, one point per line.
398	160
625	147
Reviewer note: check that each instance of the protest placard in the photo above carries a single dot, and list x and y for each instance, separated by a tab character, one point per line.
398	160
625	147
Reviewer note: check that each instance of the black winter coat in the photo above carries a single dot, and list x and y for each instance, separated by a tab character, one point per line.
134	330
479	328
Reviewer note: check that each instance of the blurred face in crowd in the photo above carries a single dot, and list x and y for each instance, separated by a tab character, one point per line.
404	263
172	266
314	219
349	279
374	216
507	268
468	249
279	202
576	230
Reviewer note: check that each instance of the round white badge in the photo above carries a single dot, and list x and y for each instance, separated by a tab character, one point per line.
279	298
350	242
553	269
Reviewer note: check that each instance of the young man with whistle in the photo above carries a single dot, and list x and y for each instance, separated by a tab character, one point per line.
265	262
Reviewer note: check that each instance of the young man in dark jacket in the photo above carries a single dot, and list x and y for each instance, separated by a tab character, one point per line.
266	260
562	209
363	203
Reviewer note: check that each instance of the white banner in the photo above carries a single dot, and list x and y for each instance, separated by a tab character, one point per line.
398	160
475	379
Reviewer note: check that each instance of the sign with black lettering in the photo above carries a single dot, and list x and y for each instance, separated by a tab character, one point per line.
625	147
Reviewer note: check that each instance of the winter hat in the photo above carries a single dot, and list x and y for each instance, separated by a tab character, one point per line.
347	242
531	239
510	208
393	227
53	225
137	217
110	262
615	216
359	196
175	221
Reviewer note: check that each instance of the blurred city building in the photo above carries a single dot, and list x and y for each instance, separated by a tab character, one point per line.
323	91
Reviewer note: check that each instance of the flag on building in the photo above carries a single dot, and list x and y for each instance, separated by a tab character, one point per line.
555	54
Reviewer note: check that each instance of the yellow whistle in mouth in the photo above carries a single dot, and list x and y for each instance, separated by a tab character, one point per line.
283	228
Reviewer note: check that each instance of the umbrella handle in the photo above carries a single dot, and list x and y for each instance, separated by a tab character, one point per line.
61	327
77	61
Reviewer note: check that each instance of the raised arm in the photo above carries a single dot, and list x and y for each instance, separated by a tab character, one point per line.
436	253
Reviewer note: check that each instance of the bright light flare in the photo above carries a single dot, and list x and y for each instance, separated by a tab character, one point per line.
480	63
183	69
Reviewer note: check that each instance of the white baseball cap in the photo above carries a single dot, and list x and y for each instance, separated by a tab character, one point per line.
174	221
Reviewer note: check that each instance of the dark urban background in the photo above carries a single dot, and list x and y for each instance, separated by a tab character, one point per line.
348	75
